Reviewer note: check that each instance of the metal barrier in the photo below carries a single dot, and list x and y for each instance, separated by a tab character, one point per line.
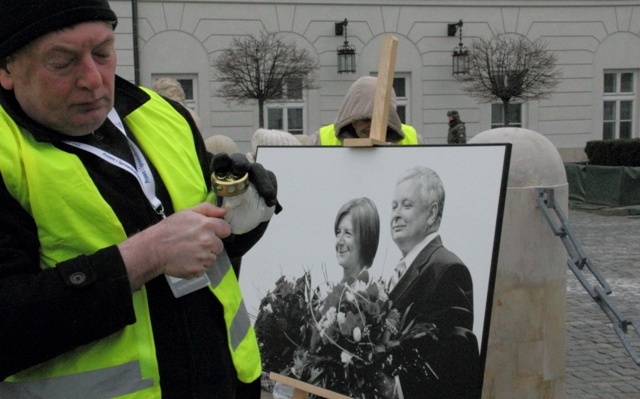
578	260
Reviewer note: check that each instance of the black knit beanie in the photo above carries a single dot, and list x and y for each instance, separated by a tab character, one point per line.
22	21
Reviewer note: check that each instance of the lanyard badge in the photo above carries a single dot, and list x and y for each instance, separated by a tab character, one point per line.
143	175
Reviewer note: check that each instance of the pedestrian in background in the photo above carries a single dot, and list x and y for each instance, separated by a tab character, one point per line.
270	138
457	130
221	144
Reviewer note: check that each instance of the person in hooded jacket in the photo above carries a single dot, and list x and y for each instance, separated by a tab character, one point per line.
354	119
457	130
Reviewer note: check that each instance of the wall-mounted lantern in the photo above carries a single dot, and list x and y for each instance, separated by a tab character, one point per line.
460	54
346	52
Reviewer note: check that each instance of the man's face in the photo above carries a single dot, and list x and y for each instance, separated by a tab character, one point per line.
411	216
65	80
362	128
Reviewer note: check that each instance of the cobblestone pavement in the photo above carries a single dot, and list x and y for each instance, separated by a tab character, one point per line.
598	366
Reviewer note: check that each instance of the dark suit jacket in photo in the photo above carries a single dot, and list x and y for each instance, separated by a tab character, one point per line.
437	288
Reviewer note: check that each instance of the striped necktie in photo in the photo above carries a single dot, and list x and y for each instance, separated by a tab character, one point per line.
400	269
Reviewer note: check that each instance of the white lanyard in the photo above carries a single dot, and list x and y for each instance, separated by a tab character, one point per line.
141	171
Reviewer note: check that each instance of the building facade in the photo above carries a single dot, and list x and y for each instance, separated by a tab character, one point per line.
597	44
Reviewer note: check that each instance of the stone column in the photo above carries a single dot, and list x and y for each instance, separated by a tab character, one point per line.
526	351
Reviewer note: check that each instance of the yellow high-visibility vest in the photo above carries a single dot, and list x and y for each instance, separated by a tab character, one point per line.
123	364
328	136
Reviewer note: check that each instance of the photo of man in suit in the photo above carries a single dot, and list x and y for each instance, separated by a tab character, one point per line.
432	285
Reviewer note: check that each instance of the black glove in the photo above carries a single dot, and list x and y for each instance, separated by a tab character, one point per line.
263	180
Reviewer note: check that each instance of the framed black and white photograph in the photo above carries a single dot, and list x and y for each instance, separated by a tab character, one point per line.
376	279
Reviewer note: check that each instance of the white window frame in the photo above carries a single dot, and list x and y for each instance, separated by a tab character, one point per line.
285	116
618	96
405	101
285	104
500	123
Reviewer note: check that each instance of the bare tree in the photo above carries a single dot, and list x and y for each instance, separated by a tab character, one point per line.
259	68
510	67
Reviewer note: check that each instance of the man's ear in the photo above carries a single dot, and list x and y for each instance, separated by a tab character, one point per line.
432	213
6	79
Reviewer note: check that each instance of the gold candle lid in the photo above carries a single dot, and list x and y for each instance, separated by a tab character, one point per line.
229	185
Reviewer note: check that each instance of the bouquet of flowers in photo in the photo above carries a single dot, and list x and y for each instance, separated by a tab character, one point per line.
280	323
349	340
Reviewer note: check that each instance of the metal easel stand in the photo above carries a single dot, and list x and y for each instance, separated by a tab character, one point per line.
578	260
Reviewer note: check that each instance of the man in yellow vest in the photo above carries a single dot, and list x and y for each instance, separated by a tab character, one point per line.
354	119
115	278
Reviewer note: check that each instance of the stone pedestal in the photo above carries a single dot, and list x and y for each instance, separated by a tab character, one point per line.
527	349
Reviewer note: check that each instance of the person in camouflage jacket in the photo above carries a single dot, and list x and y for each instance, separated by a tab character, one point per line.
457	130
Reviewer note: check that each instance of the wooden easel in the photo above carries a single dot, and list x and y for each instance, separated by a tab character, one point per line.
301	390
386	68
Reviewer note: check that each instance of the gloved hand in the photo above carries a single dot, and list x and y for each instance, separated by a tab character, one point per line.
263	180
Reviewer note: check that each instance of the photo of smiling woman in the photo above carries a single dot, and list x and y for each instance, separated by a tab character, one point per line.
357	230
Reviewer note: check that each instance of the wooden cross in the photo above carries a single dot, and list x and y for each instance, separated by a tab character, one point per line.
386	69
